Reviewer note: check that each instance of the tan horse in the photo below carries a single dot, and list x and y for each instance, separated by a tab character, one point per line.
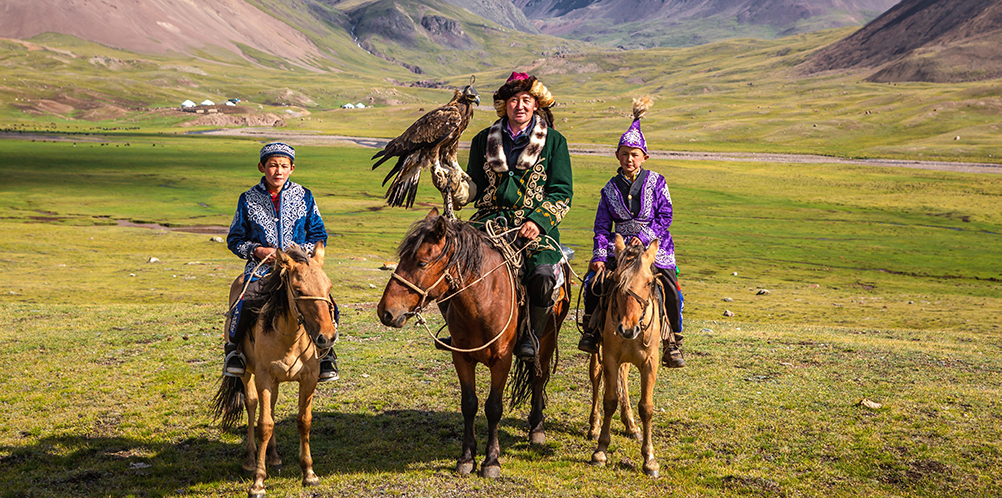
631	334
293	329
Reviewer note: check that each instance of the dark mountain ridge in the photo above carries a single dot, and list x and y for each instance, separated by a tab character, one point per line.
923	40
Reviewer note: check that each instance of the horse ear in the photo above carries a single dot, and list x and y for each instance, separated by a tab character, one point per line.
652	250
318	253
441	227
282	260
433	213
620	245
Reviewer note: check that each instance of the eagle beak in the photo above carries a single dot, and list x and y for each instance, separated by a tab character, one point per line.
476	99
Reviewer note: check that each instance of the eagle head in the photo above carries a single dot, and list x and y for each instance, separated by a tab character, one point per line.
470	94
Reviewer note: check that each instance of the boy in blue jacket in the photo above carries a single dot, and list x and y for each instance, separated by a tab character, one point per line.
275	213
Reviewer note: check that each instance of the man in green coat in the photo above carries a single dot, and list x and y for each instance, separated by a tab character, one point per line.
520	170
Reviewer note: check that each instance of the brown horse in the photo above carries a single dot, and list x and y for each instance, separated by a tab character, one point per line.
294	326
631	334
455	264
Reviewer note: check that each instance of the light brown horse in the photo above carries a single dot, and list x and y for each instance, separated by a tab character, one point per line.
293	329
631	334
453	263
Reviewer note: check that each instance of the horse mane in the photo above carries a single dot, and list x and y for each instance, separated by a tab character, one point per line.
273	287
628	264
461	238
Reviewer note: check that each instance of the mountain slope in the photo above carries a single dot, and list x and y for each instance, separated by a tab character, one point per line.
923	40
163	26
649	23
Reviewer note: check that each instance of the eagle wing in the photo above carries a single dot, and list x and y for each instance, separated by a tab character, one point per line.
417	148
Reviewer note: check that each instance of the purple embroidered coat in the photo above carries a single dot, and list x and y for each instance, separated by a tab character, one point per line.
649	198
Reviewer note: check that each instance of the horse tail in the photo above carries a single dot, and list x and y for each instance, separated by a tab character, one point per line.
228	403
520	387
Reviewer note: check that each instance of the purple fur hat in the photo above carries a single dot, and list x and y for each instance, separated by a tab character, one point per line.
633	136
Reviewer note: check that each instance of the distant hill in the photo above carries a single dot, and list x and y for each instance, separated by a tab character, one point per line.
923	40
651	23
163	26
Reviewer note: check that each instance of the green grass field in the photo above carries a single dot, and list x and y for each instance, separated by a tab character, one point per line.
884	285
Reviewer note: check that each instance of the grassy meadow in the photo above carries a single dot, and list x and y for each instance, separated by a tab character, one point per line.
884	284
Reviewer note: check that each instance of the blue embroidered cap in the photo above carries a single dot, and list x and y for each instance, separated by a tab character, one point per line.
278	149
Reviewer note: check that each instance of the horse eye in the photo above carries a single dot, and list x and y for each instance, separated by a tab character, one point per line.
422	264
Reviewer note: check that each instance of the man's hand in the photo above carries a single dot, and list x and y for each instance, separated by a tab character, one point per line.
597	266
530	230
635	241
264	253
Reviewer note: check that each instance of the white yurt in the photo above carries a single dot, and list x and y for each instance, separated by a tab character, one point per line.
187	103
348	106
207	102
359	106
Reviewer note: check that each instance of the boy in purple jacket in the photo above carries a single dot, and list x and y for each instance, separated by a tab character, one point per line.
635	204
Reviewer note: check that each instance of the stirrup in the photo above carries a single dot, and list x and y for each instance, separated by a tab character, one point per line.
525	348
672	358
589	342
234	364
328	368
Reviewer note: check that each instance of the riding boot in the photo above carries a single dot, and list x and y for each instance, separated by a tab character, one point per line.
447	341
591	333
525	349
328	367
672	356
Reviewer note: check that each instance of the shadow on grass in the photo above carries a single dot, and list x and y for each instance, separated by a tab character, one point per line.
394	441
400	440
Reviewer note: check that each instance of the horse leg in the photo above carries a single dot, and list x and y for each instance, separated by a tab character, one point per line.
547	344
266	425
648	375
273	459
303	423
625	410
595	375
468	387
494	408
250	403
609	403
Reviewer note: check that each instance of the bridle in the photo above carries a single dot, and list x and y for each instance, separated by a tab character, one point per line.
450	281
644	305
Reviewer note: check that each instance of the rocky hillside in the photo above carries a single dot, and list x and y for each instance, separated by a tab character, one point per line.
923	40
648	23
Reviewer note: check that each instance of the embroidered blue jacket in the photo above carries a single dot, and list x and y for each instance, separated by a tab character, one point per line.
256	223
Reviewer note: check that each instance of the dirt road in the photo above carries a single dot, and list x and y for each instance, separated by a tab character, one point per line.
595	150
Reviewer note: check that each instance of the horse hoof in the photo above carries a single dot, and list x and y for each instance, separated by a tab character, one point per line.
252	494
598	459
492	472
311	481
464	468
639	436
538	437
653	473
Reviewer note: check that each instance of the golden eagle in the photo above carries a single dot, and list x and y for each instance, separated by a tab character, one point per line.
431	142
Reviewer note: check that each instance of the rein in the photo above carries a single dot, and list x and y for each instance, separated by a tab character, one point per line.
509	256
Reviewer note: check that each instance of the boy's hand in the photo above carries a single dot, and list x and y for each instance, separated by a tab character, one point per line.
597	266
264	253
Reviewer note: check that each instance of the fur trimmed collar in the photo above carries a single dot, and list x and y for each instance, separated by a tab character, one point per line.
496	159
